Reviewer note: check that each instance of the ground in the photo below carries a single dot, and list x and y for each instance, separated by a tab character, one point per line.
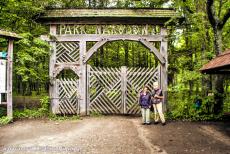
114	134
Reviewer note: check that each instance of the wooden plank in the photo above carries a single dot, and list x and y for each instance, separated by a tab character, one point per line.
9	78
88	89
92	50
123	88
159	56
99	37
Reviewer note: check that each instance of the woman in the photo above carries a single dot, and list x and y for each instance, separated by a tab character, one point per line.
157	103
145	103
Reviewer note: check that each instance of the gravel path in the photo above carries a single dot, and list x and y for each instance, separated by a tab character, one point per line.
113	135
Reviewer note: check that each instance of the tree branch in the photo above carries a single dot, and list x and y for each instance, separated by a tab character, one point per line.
187	8
220	7
224	20
211	14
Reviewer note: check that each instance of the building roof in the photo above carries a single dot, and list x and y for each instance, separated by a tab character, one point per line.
220	64
137	15
8	34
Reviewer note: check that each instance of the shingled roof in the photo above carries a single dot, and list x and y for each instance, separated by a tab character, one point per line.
220	64
7	34
139	15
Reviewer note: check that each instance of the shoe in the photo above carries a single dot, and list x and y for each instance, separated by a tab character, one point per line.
155	123
148	123
163	124
143	123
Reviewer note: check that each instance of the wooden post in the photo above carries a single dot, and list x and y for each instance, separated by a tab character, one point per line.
52	88
82	78
123	88
9	79
88	89
164	67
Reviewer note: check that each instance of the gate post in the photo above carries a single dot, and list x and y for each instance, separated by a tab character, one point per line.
9	78
164	67
82	78
123	88
52	86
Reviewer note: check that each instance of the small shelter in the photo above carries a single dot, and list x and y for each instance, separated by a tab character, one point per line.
6	69
218	65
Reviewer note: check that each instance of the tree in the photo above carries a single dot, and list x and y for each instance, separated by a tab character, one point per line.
217	22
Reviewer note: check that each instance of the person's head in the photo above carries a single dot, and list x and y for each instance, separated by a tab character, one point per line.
155	85
145	89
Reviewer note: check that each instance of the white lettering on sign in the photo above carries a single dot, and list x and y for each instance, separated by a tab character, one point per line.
73	29
2	76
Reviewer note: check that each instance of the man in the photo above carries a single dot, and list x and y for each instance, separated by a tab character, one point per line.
157	99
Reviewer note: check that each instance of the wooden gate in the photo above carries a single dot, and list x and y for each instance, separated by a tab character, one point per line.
115	90
67	96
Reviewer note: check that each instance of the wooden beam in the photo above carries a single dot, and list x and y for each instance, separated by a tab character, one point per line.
83	79
164	67
58	68
88	89
124	89
9	78
52	87
92	50
99	37
154	50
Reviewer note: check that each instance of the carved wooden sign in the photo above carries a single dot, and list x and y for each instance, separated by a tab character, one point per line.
75	29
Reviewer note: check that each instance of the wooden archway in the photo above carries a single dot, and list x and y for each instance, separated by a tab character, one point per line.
72	25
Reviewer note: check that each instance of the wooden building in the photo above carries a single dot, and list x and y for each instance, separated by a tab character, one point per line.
218	65
9	70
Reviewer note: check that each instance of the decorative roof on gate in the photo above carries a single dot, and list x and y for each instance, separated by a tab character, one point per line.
8	34
109	15
220	64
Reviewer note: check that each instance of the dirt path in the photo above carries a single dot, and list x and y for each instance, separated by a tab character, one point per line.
113	134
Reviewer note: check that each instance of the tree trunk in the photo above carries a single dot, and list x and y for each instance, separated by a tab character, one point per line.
218	79
218	93
217	40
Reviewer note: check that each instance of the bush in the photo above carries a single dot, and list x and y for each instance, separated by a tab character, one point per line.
35	113
5	120
43	112
2	111
184	107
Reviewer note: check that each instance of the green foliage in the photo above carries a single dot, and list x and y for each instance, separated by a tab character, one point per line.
95	114
2	111
62	118
32	59
5	120
183	107
42	112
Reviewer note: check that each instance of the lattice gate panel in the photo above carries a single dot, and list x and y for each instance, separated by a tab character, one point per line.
105	90
67	52
68	96
136	79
